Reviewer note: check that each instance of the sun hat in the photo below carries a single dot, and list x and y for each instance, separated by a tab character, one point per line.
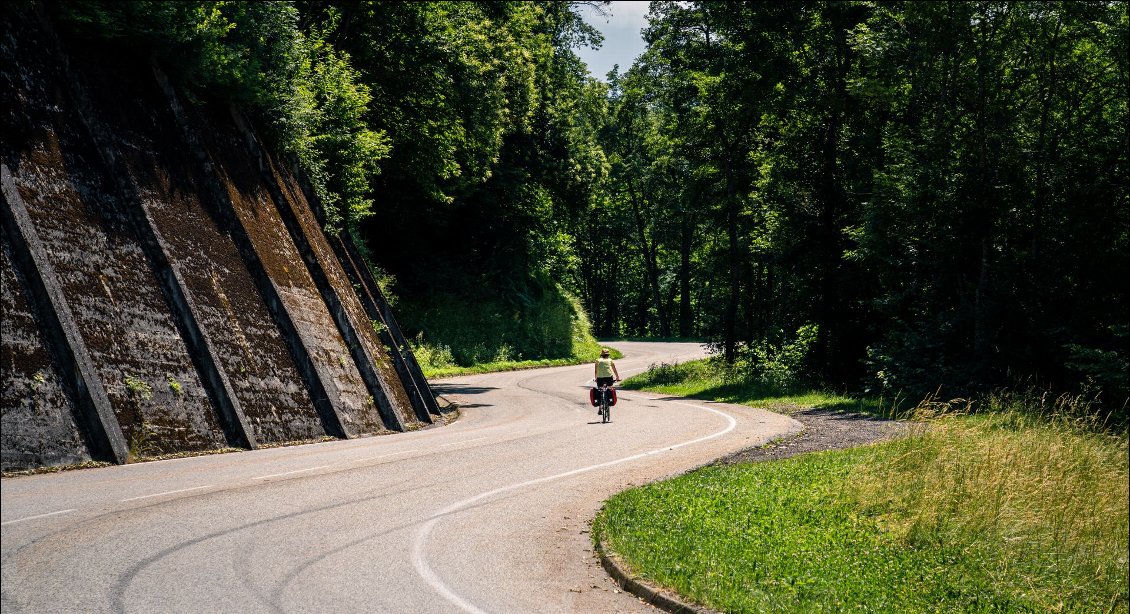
604	351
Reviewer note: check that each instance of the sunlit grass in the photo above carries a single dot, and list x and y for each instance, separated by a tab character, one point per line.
1017	503
700	379
1044	492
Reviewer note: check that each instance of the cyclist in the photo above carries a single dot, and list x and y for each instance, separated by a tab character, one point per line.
605	371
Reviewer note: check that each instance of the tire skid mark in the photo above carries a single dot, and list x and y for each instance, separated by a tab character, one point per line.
91	523
127	577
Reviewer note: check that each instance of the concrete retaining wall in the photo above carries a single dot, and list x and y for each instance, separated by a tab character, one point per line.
166	285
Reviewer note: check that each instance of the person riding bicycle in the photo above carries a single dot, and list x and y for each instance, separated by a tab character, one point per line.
605	371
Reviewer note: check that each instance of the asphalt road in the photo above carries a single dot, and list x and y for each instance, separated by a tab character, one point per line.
488	514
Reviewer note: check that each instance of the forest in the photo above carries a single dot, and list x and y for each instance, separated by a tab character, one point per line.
891	198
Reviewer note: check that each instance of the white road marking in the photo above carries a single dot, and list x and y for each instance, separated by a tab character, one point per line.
371	458
8	522
455	443
170	492
419	560
275	475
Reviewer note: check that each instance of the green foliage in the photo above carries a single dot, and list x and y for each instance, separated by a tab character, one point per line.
434	358
537	322
449	79
938	187
255	54
974	281
1106	372
779	367
143	442
38	380
378	327
714	379
472	124
344	151
784	366
437	360
669	374
491	123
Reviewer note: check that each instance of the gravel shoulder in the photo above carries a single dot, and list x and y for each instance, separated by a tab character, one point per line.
823	430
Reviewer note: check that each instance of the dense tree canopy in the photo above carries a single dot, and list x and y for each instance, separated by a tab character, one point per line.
891	195
869	196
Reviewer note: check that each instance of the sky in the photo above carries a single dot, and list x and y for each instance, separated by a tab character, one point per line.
623	41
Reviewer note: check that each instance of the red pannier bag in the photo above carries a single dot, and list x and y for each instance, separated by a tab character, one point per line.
592	396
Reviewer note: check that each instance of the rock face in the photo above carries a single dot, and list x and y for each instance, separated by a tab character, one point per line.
167	285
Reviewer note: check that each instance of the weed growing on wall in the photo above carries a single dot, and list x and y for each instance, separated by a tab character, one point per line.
175	385
138	388
142	442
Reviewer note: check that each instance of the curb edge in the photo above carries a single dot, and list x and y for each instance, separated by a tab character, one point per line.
657	597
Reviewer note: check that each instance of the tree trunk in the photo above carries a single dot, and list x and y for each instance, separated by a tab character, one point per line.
650	256
981	308
729	320
686	318
830	314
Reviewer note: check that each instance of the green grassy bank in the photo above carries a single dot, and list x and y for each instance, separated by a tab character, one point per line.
1020	507
485	333
447	369
703	379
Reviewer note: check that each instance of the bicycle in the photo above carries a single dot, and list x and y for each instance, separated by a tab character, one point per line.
605	394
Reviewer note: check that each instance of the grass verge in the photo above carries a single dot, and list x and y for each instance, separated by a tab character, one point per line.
1021	507
702	379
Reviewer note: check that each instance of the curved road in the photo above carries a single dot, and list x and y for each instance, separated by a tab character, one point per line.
488	514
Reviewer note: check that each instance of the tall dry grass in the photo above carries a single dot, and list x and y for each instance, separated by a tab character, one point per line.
1036	477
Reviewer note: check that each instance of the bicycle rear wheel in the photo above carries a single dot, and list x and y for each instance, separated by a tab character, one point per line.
605	411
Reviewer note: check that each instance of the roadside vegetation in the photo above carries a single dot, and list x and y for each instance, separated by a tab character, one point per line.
446	369
493	334
456	141
436	362
904	194
715	380
1015	503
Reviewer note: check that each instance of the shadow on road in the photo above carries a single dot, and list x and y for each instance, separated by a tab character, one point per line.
460	389
704	401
